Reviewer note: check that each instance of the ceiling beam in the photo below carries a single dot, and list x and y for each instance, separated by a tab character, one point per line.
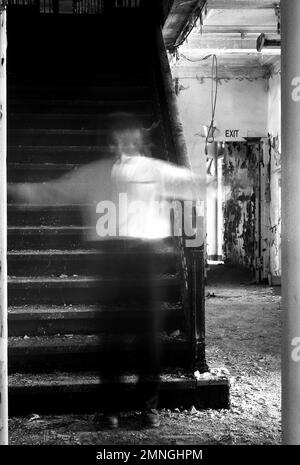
232	29
193	54
229	66
224	72
225	44
241	4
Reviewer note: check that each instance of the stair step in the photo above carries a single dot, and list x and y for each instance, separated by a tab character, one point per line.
58	137
79	106
67	121
45	215
47	237
94	352
76	154
82	392
87	380
71	91
37	172
55	237
74	56
32	215
50	320
88	289
81	262
84	78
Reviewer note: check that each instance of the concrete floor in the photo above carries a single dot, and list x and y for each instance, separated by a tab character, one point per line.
243	342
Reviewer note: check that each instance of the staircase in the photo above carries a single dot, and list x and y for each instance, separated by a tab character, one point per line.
65	74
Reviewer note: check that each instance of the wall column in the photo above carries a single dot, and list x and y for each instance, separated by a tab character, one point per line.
3	229
290	14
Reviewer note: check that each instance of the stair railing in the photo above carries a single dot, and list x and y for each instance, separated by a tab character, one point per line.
191	257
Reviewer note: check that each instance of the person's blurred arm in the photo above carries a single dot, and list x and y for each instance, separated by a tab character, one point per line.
48	193
178	182
71	188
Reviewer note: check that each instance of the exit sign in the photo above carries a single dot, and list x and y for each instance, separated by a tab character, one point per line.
232	133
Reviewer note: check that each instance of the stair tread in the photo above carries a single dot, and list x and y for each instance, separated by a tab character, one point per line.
50	76
56	101
71	85
63	116
37	131
59	229
78	341
76	344
65	379
57	252
60	148
50	229
81	252
56	311
42	166
67	229
34	206
83	279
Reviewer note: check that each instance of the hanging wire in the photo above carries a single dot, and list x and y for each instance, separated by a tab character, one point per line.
196	60
210	138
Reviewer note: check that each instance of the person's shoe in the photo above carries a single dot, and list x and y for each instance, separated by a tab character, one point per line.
151	418
111	420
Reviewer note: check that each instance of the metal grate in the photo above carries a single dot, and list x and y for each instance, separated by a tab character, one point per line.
48	6
77	6
99	6
127	3
22	2
43	6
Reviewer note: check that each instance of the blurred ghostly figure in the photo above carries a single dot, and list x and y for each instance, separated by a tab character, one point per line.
124	198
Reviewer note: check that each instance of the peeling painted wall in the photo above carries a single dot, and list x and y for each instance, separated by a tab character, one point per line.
241	106
274	149
253	108
240	202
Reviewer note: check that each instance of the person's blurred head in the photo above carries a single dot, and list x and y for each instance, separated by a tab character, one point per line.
127	135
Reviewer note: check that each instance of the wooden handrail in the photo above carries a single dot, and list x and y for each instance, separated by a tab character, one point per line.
192	258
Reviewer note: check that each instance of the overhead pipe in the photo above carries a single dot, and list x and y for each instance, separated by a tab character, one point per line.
264	42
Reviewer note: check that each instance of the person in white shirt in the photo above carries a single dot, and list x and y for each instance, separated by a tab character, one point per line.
126	198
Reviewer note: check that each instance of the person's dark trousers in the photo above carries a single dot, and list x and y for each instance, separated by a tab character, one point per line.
143	328
149	369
